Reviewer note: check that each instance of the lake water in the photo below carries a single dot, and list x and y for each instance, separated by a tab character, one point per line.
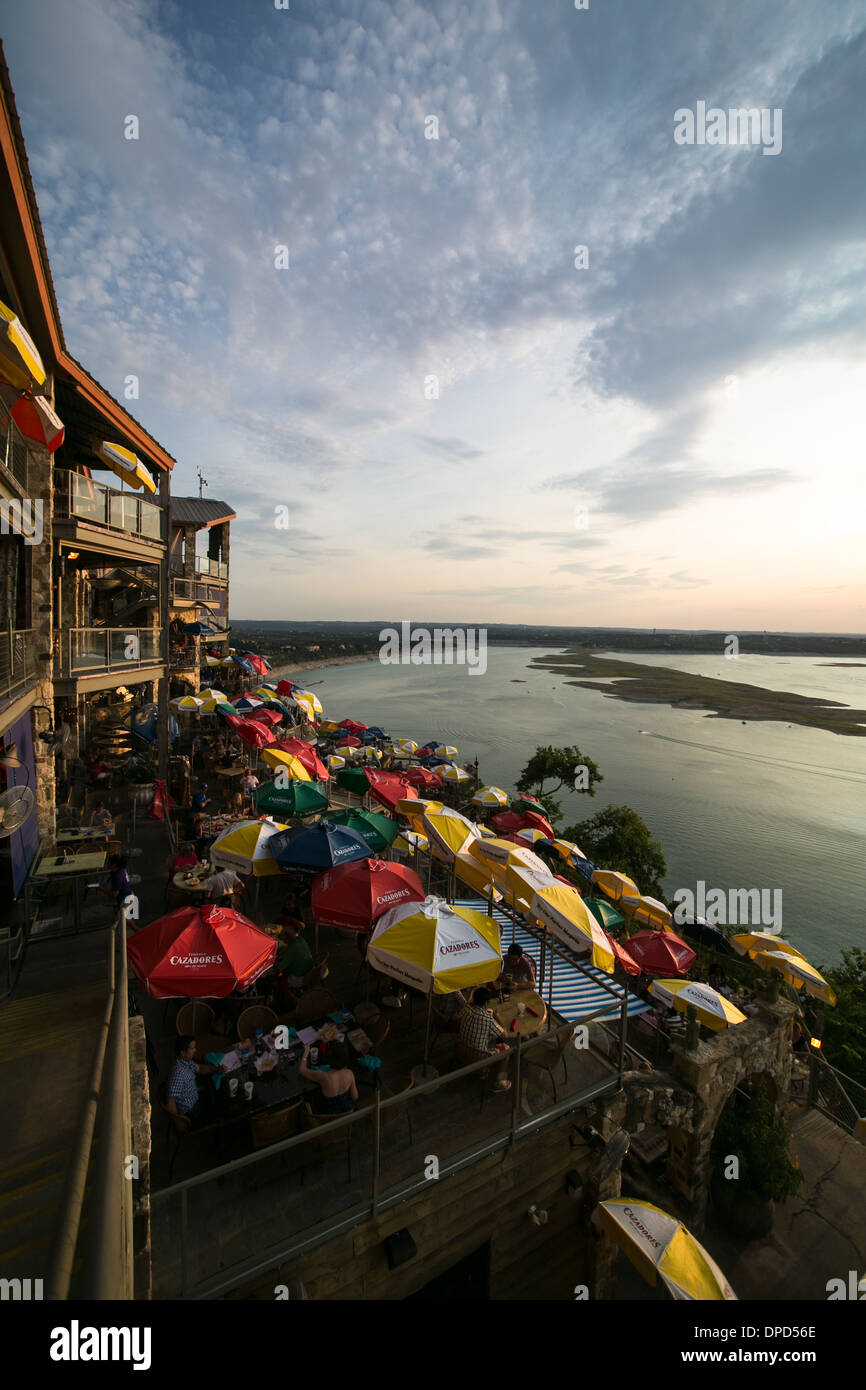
739	806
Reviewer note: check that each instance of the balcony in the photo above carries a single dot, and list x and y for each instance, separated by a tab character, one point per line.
119	651
211	569
84	506
17	660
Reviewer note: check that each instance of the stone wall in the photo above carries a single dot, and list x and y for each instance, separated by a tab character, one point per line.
39	483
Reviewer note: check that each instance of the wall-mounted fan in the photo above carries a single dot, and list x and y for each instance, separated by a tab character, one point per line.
16	806
9	756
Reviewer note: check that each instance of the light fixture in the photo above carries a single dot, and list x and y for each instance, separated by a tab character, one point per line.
815	1043
72	554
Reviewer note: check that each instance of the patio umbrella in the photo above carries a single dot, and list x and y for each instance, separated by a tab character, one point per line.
661	953
286	687
210	694
389	788
606	915
422	777
125	465
246	847
379	831
349	741
335	762
436	949
615	884
352	726
318	847
34	417
449	832
713	1009
647	910
567	850
524	801
408	745
248	702
255	735
447	751
706	933
561	909
309	698
621	956
370	755
287	763
751	943
476	875
455	774
507	852
657	1243
297	799
528	837
376	732
410	842
509	820
306	754
200	953
797	971
187	703
354	779
20	363
354	896
267	716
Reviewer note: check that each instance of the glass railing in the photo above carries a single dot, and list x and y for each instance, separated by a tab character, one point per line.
215	569
86	500
88	650
17	658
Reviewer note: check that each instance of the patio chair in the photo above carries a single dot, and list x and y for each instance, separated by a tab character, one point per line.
275	1125
194	1018
321	1124
257	1016
316	1004
486	1078
377	1031
548	1055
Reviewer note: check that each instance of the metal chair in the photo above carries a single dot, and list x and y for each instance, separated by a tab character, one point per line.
547	1056
275	1125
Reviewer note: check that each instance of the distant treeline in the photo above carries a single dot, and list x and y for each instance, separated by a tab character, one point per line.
298	639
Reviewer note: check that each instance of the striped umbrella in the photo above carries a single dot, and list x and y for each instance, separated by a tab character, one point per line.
657	1243
490	796
797	971
245	847
713	1009
290	765
615	884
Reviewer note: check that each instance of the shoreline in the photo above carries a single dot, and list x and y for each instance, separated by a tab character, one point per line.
663	685
291	668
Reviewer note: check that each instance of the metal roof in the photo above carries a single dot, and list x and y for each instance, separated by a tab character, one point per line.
200	511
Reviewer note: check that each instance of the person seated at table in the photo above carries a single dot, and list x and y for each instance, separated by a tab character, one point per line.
186	858
236	804
297	958
223	886
101	816
338	1086
118	886
201	798
290	914
478	1028
450	1006
182	1093
519	968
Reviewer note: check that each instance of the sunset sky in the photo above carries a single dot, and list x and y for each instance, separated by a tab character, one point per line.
672	435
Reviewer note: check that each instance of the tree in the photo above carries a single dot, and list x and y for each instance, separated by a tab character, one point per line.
753	1132
845	1026
617	838
566	767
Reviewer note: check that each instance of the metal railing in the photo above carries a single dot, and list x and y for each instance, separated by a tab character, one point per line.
17	658
13	452
108	1250
839	1097
215	569
91	650
83	499
211	1282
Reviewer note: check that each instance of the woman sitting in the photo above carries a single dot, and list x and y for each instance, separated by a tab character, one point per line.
339	1091
186	858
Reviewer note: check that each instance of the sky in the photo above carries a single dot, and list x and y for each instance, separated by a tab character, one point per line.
342	257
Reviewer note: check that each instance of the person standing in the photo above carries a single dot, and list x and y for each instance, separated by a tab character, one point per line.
249	785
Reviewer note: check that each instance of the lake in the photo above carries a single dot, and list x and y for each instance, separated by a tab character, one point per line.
758	805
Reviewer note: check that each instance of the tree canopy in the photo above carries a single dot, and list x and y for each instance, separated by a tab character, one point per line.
561	767
617	838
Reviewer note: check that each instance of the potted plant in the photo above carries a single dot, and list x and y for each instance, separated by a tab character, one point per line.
141	774
750	1130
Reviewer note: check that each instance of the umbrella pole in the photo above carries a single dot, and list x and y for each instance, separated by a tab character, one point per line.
427	1032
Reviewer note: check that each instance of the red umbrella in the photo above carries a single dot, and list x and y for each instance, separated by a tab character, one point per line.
349	742
355	895
265	715
306	754
352	725
423	777
389	787
661	953
623	959
200	953
258	663
35	418
530	820
254	734
286	687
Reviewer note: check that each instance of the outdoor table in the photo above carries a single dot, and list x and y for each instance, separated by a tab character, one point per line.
76	868
192	880
280	1087
229	771
69	839
527	1026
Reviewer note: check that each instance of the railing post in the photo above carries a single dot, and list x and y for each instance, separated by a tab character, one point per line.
623	1025
183	1238
377	1156
515	1098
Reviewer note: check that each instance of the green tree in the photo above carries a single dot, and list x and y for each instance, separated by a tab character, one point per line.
758	1137
565	767
617	838
845	1026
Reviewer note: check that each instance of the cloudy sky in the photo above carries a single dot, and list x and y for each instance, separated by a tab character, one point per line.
467	417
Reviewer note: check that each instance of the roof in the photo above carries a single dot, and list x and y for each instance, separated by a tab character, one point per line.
200	511
13	154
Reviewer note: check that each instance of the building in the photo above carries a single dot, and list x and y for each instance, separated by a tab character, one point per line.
199	578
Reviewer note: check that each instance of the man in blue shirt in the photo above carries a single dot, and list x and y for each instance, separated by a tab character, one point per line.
201	798
182	1094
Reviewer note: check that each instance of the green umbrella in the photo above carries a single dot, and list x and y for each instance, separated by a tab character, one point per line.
524	801
226	707
296	799
354	779
379	831
606	915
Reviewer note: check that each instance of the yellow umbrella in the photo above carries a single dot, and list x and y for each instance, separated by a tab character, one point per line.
335	761
649	911
532	836
615	884
245	847
449	832
187	702
410	841
714	1010
277	757
436	947
212	661
657	1243
125	464
20	363
445	750
307	697
491	796
506	852
329	726
415	806
751	942
406	745
564	912
567	849
212	695
455	774
473	873
797	972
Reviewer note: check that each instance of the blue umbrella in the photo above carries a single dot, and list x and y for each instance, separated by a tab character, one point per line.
430	759
699	929
377	732
318	847
245	703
